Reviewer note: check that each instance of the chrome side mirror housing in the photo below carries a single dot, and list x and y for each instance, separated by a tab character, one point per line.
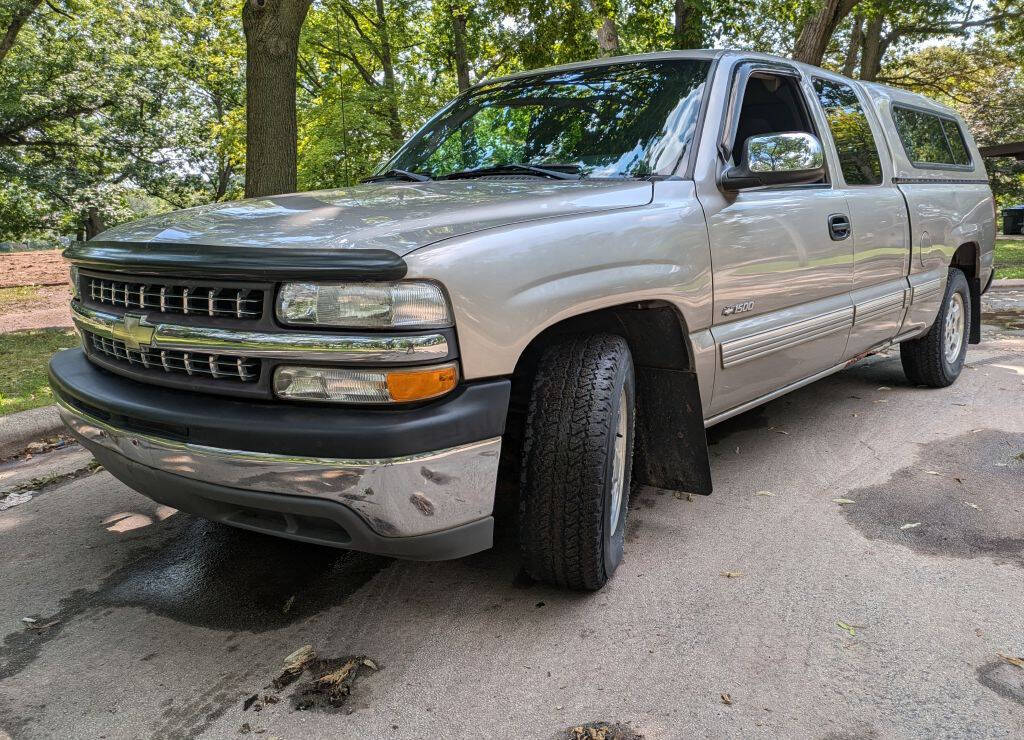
791	158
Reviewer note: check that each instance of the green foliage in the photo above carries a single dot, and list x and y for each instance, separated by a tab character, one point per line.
24	356
112	109
1009	258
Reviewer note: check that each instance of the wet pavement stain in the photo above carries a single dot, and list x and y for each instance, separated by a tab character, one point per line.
212	576
963	497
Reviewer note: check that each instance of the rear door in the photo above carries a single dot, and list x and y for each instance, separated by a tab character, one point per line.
781	275
878	214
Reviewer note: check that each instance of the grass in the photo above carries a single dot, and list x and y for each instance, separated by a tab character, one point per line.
23	359
1009	258
13	297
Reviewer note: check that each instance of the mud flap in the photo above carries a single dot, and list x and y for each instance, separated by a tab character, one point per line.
672	446
975	291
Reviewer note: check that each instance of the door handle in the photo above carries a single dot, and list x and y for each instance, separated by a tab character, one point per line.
839	226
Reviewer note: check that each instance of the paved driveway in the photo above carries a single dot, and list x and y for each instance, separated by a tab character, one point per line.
884	616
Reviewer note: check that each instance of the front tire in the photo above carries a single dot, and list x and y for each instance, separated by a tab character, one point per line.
577	462
936	359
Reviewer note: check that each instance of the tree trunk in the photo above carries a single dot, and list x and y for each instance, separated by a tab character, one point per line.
272	30
18	19
608	38
93	222
390	88
461	57
874	46
687	31
853	50
817	30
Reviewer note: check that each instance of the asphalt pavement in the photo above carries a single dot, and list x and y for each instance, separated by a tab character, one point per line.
858	572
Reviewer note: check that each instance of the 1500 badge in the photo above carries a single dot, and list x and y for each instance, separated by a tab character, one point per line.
738	308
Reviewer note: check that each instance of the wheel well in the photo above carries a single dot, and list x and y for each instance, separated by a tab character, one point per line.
965	259
671	449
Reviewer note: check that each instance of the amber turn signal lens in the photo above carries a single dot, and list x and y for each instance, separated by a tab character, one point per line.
355	385
419	385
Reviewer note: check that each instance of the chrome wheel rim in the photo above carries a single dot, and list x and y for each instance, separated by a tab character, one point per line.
953	331
618	465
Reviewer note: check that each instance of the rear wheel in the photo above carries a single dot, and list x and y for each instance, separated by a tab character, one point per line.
937	358
577	462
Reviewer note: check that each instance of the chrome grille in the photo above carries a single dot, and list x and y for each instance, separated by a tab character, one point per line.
217	367
189	300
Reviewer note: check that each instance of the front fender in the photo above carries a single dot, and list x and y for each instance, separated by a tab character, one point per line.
508	284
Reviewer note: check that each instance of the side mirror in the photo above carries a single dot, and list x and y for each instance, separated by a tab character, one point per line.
792	158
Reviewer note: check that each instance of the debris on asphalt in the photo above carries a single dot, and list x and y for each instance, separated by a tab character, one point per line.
1019	662
726	699
843	501
763	493
850	629
731	573
294	665
973	506
40	627
15	499
334	683
602	731
683	495
249	702
245	729
910	525
288	604
29	620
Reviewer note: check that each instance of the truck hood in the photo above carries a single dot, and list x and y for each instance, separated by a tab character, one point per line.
398	217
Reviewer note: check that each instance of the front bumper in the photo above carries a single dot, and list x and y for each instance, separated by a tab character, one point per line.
415	483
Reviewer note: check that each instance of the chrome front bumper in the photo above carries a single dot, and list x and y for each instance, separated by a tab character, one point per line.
396	497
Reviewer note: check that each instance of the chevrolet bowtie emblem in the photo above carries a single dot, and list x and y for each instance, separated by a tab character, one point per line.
134	331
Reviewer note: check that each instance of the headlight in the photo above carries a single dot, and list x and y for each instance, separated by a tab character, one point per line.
74	281
351	385
406	304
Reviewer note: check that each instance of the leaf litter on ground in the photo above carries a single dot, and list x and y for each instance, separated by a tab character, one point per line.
333	685
850	629
294	665
1012	660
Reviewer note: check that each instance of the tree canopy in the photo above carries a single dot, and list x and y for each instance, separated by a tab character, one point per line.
111	109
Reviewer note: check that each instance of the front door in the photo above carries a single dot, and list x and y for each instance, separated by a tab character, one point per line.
782	264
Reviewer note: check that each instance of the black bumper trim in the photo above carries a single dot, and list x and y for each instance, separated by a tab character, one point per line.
299	518
246	263
472	412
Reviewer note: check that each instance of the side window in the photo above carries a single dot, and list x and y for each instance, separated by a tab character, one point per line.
772	104
955	137
930	139
858	153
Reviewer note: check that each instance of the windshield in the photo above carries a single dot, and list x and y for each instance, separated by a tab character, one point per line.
632	119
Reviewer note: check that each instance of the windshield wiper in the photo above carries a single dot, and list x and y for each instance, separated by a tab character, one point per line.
398	175
499	169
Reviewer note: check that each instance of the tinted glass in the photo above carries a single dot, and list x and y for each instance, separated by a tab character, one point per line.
621	120
955	137
923	136
858	154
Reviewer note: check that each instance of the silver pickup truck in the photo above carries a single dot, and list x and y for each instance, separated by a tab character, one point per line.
559	282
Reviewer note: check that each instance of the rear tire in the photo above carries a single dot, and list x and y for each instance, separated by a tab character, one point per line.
936	359
577	462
